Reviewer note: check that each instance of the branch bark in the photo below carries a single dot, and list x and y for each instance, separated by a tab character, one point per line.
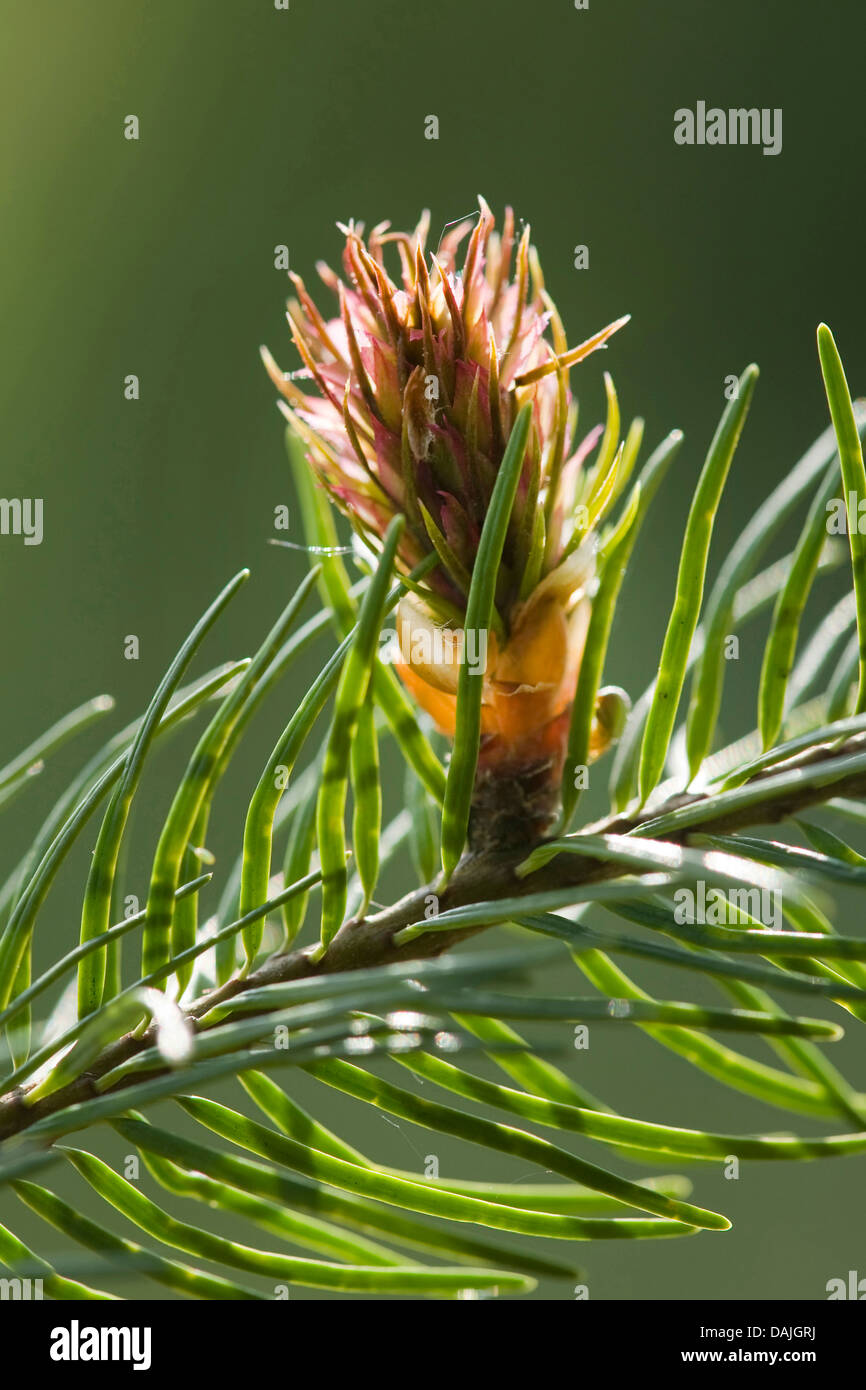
368	942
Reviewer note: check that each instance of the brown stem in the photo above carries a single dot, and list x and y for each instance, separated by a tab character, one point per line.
480	877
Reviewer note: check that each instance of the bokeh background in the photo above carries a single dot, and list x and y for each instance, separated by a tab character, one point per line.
261	127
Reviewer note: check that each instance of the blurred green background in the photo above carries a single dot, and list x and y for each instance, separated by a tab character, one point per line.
261	127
